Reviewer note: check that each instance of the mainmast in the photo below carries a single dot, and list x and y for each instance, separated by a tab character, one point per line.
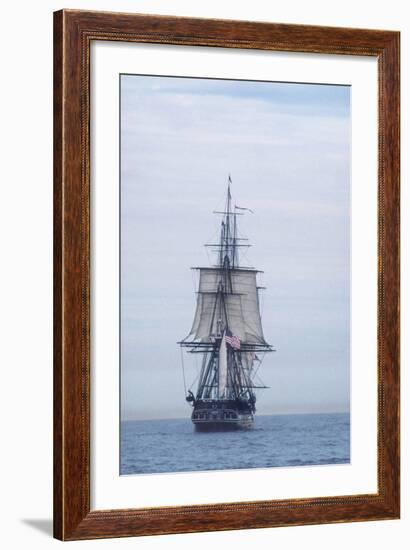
228	253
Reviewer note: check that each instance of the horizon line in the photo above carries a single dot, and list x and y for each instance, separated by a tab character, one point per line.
256	416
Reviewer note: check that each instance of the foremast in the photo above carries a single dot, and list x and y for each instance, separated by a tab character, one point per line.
227	326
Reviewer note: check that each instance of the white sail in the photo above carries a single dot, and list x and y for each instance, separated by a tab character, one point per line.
241	307
207	311
244	284
223	368
209	279
205	322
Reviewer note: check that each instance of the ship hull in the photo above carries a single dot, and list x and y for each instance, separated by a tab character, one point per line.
220	415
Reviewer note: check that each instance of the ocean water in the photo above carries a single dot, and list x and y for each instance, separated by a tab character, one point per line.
160	446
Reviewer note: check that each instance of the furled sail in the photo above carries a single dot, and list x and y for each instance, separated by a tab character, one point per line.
222	368
237	310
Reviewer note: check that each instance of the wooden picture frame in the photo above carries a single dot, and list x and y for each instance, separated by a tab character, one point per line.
74	32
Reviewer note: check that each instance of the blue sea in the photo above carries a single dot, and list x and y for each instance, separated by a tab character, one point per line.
161	446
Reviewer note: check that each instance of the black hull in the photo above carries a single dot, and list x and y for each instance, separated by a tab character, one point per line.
222	415
222	426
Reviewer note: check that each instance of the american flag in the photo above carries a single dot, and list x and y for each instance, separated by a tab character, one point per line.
233	341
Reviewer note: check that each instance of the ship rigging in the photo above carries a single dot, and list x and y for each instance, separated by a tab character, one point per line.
227	331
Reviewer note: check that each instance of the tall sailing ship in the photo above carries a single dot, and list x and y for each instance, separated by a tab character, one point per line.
227	331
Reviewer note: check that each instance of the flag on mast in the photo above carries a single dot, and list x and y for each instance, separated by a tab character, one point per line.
232	340
242	208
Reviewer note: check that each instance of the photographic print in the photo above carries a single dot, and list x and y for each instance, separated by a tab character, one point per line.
235	274
226	275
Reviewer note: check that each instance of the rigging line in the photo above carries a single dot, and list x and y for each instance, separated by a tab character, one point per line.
193	383
194	280
259	380
215	233
245	256
261	300
258	367
198	373
183	369
208	256
256	378
255	372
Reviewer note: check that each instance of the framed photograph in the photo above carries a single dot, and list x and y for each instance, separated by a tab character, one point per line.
226	275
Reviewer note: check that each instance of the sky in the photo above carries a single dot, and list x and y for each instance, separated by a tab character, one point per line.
287	149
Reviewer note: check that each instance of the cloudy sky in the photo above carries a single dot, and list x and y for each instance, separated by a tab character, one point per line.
287	148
